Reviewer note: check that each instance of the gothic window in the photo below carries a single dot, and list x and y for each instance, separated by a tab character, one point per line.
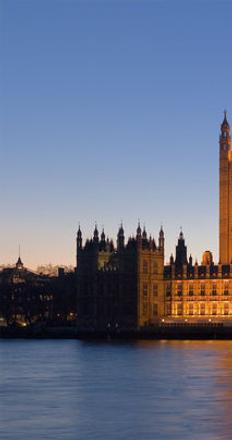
226	308
179	289
202	289
226	288
190	309
202	309
191	289
145	266
179	309
214	289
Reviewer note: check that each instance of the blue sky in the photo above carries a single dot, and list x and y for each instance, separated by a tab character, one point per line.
111	110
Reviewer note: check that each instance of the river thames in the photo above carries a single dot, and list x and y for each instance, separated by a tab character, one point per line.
68	389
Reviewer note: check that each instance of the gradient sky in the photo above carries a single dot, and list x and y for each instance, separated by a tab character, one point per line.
111	110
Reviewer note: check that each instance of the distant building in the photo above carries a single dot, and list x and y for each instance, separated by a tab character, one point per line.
28	298
130	287
25	296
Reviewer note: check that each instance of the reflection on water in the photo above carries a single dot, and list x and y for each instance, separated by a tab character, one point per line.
136	390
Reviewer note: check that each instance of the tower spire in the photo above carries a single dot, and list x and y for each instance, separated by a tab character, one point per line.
19	263
225	138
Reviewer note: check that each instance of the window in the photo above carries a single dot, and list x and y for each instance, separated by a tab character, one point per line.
214	289
179	289
179	309
191	289
202	309
145	290
145	266
226	288
226	308
202	291
190	309
168	309
155	290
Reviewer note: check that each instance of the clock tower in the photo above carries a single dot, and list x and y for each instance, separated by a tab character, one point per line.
225	214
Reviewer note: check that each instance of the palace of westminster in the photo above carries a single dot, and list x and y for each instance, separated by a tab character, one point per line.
128	285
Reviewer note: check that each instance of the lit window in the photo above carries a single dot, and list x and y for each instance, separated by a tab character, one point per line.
202	309
190	309
226	309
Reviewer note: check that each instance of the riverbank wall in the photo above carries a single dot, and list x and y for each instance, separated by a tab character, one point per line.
169	331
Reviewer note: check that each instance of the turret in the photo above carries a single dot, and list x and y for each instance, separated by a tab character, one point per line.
190	260
103	241
95	234
144	234
181	251
225	138
120	238
79	238
161	239
79	245
139	235
19	264
138	231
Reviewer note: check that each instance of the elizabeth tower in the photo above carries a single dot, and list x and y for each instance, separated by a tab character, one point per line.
225	233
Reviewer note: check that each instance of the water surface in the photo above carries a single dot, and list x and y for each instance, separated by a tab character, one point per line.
67	389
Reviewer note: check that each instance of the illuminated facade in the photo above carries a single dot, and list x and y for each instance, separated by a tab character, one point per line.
129	286
197	291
